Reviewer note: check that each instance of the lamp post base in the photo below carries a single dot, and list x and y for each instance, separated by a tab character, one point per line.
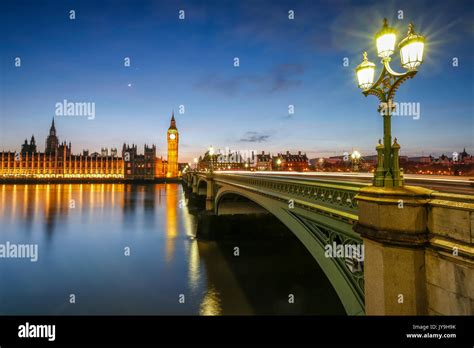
393	175
385	179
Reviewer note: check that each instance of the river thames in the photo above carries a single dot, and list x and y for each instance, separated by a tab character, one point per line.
131	250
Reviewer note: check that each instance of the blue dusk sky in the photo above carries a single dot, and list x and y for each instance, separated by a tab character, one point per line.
190	62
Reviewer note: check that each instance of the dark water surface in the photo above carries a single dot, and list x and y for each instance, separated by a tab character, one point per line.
83	232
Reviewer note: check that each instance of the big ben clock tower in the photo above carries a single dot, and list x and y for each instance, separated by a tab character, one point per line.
172	139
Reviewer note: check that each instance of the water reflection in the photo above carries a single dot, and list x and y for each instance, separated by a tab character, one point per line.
82	230
211	304
171	219
194	272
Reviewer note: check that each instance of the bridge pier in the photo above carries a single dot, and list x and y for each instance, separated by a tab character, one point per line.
194	184
189	180
210	195
393	225
409	238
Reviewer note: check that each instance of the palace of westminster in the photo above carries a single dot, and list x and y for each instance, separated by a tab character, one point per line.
58	162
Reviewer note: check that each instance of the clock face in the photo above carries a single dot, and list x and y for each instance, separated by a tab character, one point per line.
172	136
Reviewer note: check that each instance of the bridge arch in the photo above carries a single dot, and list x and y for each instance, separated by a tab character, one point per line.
202	186
349	295
232	203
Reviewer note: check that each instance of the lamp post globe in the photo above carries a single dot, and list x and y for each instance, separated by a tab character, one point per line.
365	73
385	40
411	49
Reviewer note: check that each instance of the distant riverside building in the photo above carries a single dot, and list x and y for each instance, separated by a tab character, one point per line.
464	157
207	161
290	162
456	158
221	162
421	159
372	159
461	163
234	160
57	161
260	162
140	167
264	161
334	160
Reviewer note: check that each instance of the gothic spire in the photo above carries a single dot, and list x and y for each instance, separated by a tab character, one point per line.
53	128
173	121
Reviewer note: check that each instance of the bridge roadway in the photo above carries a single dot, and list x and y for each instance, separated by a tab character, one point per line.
441	183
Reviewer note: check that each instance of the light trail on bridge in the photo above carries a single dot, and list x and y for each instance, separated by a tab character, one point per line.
452	184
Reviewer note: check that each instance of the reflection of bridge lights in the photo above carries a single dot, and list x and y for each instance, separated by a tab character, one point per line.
211	303
193	266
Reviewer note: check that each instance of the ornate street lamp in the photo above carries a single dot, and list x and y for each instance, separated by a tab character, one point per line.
388	173
278	162
355	157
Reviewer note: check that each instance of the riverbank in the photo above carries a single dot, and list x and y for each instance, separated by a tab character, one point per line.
21	181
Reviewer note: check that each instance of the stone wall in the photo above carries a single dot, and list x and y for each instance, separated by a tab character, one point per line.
449	258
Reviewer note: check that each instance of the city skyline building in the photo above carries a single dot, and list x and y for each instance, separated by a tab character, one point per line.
58	161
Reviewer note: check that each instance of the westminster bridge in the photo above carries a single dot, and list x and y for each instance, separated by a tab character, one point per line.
417	244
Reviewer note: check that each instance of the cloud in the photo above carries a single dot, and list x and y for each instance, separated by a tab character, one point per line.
215	83
254	137
280	78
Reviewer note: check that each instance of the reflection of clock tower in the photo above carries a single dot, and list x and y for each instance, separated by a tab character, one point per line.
173	137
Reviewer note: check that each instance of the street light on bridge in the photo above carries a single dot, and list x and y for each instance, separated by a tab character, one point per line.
388	173
355	157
